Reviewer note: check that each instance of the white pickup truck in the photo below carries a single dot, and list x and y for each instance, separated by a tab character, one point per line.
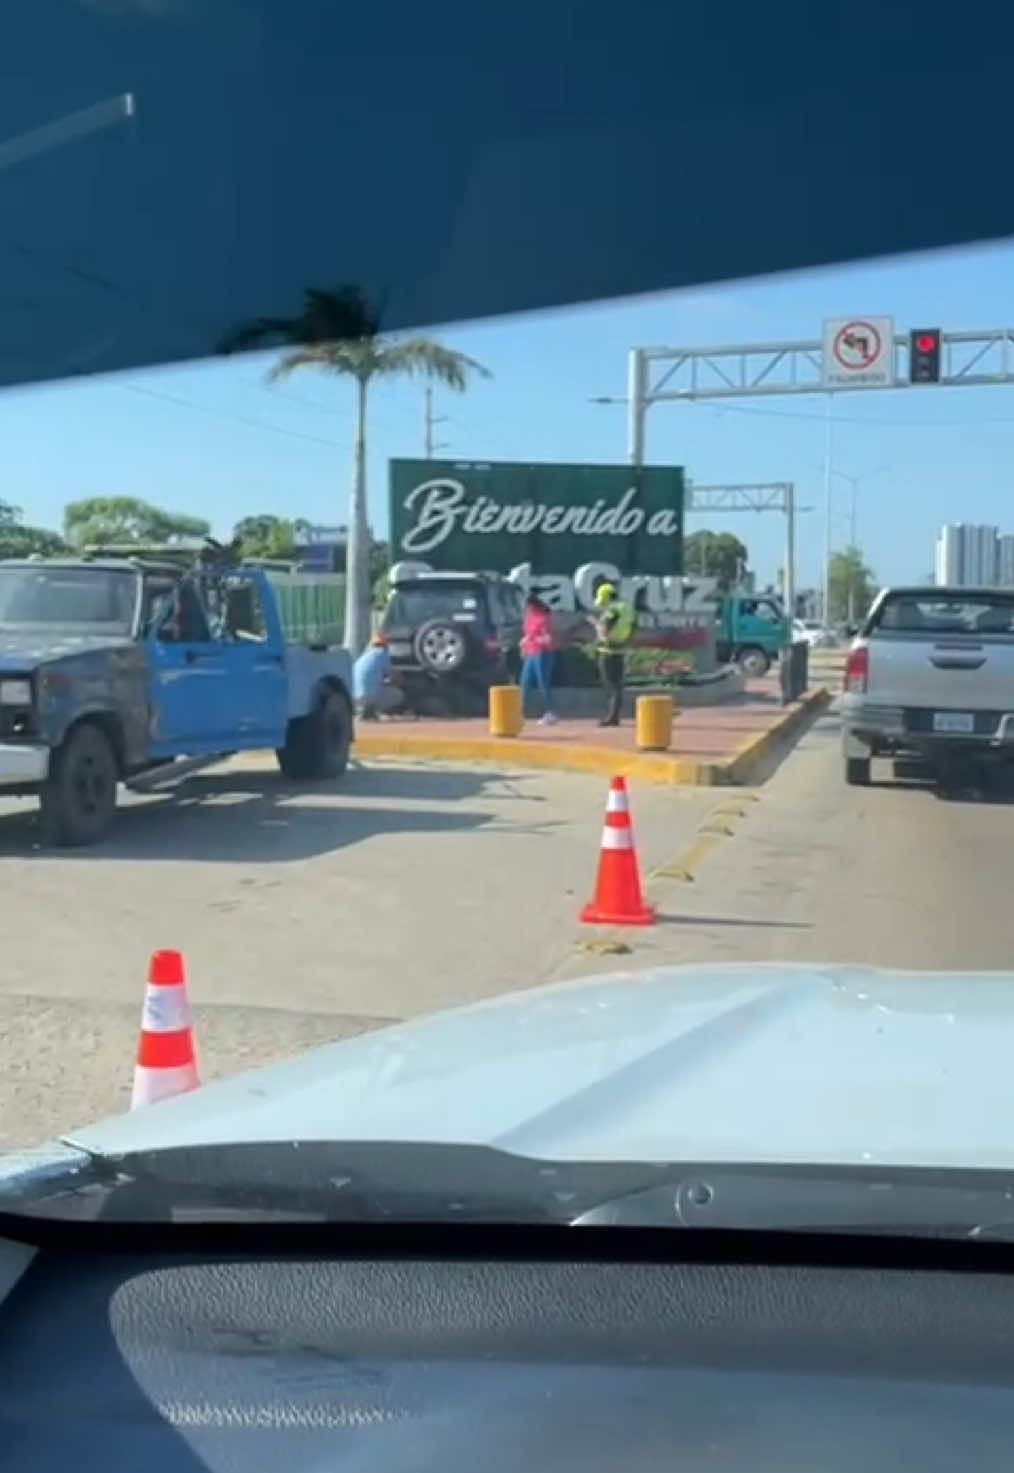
931	674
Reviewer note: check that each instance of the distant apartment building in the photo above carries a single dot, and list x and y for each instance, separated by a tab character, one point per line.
968	556
1005	561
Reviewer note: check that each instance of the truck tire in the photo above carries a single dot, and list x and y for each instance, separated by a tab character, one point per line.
78	799
317	745
857	772
753	661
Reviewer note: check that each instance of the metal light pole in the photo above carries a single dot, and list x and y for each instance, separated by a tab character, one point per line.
790	551
637	406
853	482
825	599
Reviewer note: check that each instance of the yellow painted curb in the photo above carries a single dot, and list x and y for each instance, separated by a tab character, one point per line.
649	767
744	761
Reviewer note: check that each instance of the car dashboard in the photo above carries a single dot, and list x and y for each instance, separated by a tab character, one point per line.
228	1362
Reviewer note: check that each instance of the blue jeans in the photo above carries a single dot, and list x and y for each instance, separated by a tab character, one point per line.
536	670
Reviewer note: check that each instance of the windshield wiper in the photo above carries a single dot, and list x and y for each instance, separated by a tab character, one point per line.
396	1181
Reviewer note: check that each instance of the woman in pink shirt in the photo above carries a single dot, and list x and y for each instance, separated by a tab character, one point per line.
537	655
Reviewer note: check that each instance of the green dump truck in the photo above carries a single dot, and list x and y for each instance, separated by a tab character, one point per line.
751	631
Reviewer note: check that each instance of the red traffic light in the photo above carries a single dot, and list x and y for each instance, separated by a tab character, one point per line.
925	348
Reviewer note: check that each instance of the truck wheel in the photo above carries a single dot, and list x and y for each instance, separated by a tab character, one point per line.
857	772
292	758
753	661
317	746
78	800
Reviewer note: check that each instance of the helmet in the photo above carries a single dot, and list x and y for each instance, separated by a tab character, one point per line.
604	594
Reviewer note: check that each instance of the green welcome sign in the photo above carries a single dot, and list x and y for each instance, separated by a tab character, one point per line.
494	515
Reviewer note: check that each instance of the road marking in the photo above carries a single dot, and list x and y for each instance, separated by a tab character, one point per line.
709	834
684	865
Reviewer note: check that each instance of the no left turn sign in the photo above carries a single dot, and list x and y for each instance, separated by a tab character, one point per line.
858	353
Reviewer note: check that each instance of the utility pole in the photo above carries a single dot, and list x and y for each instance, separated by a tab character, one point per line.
429	421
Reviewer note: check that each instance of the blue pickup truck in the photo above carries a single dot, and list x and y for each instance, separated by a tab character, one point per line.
121	670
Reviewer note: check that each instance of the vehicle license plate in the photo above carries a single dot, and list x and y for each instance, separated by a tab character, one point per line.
400	648
954	721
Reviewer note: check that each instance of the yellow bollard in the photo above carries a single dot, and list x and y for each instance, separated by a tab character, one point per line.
654	723
506	717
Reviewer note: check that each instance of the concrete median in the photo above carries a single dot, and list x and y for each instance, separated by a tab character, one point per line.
711	747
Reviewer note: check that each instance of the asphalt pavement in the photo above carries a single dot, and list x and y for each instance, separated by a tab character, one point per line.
809	870
304	913
305	916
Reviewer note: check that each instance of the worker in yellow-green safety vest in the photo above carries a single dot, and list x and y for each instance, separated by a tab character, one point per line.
615	623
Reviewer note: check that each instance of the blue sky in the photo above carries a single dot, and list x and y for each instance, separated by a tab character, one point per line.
215	440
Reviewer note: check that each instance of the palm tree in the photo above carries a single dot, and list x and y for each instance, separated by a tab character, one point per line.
338	332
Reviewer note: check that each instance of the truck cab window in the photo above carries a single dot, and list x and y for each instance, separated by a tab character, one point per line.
186	622
244	615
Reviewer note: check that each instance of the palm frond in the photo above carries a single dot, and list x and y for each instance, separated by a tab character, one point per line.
353	359
310	357
423	358
262	332
328	315
333	316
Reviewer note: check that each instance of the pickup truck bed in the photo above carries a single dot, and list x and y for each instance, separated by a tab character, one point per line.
931	674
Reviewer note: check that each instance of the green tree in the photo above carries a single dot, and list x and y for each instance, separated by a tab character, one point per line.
339	332
18	540
115	519
851	586
269	536
715	555
380	562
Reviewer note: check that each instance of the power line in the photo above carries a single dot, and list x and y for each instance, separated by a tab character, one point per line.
870	421
258	424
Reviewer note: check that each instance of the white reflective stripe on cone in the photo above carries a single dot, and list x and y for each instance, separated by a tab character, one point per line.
617	839
616	801
166	1010
152	1085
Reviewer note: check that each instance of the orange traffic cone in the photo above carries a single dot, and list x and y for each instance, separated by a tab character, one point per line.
166	1059
618	900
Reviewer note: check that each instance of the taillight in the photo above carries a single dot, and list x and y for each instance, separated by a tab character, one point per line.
857	669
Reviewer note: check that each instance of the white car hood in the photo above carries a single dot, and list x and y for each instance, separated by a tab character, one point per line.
744	1064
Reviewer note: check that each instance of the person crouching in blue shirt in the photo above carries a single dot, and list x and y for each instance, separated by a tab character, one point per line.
369	677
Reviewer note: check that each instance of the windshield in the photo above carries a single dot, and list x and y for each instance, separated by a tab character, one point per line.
932	612
88	600
506	666
414	605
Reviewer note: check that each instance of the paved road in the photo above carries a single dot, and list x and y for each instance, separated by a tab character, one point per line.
306	916
893	875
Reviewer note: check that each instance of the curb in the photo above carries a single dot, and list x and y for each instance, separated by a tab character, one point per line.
648	767
743	763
